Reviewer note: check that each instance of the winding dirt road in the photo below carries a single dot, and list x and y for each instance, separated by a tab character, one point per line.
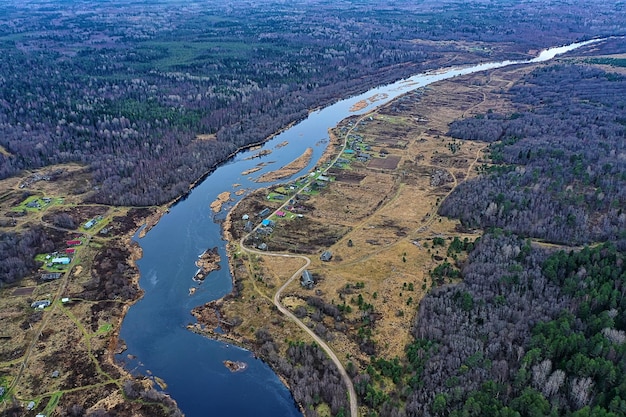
354	410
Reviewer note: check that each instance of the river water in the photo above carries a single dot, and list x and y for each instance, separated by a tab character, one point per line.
155	327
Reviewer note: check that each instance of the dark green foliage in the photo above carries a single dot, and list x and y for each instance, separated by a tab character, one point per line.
444	270
438	241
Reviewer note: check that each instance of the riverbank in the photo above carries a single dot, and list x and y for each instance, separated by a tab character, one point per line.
382	256
384	233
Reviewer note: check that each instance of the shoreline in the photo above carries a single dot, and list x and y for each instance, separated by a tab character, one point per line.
136	253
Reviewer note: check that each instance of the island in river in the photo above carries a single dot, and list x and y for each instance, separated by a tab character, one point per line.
208	262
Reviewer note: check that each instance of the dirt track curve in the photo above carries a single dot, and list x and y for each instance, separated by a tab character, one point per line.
354	411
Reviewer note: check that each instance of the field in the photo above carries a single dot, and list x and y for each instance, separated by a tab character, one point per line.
376	214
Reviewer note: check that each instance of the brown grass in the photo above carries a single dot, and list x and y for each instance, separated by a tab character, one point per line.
206	136
390	213
222	198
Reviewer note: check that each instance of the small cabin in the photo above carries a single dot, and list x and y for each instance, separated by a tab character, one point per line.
326	256
306	280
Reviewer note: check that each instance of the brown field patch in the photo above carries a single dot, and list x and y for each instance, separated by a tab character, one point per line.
350	177
379	219
390	162
206	136
23	291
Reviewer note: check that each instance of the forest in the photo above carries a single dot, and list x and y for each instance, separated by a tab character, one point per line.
560	172
537	326
152	95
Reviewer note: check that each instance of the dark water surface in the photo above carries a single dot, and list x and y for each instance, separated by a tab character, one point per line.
154	328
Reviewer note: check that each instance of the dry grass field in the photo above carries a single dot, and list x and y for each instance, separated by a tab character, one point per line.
378	217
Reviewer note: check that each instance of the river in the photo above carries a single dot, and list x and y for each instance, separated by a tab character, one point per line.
155	327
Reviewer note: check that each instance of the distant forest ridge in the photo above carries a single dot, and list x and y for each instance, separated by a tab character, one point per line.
125	88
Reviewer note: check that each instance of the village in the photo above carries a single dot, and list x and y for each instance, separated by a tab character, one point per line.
57	322
366	219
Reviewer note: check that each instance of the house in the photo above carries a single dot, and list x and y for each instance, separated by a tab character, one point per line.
89	224
2	391
264	212
248	227
70	251
262	246
30	405
267	222
62	260
40	304
306	280
323	178
326	256
245	217
73	242
280	213
50	277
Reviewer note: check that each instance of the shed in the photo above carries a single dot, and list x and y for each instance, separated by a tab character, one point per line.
326	256
306	280
70	251
50	276
245	217
30	405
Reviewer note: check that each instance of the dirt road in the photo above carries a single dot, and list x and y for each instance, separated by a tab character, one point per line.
342	371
